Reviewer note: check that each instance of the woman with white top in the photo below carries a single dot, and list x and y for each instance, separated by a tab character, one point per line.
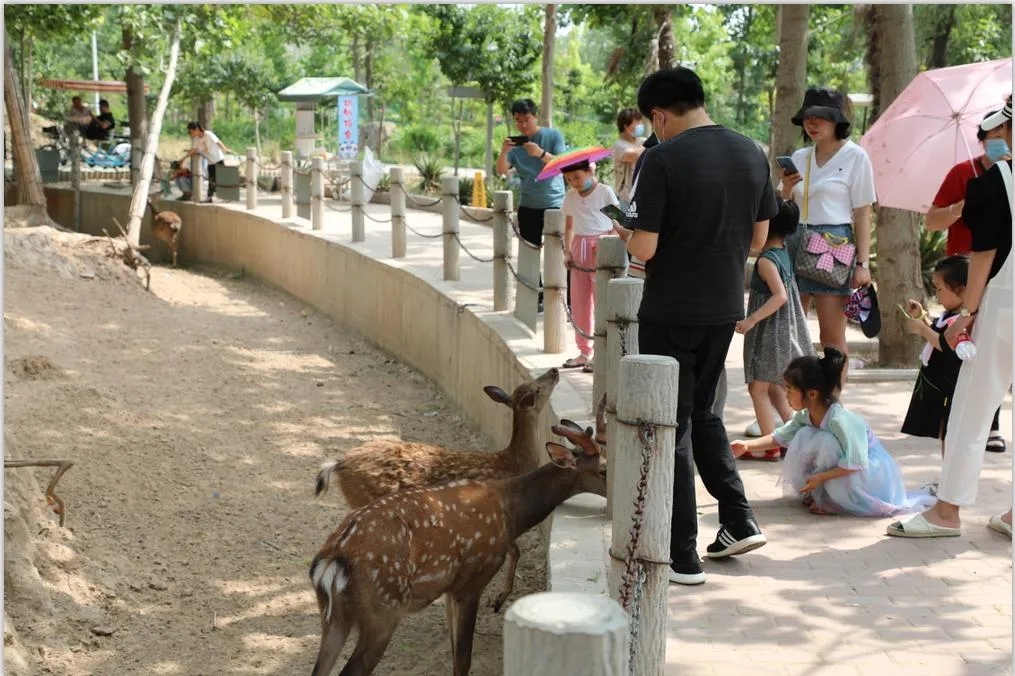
626	151
207	144
834	188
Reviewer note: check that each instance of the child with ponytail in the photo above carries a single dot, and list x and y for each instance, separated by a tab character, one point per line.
833	460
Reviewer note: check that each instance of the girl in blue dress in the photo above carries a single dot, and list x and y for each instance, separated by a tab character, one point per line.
833	460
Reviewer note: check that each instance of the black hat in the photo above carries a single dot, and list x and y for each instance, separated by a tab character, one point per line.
824	103
862	306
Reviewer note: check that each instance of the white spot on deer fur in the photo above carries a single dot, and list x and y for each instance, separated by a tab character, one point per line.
370	556
493	541
373	574
477	535
384	558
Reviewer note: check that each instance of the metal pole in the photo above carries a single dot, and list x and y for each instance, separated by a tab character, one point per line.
95	65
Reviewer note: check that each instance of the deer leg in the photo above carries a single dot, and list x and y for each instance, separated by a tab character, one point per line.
173	244
374	637
333	637
509	580
465	628
450	614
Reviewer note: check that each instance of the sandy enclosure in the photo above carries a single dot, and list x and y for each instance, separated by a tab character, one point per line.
197	416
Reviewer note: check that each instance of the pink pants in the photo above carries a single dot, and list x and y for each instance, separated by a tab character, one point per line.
583	289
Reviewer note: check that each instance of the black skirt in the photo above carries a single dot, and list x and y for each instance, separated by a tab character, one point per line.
932	395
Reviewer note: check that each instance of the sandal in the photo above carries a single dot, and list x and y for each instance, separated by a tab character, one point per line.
587	368
918	527
575	362
997	524
995	443
772	455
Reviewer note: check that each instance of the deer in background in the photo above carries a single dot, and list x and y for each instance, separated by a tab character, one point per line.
381	468
396	556
166	225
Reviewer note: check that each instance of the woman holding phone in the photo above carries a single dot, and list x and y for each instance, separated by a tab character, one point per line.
833	184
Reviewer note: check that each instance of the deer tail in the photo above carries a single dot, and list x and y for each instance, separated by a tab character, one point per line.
330	577
324	477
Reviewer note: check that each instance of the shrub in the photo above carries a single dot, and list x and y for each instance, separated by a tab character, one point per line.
430	170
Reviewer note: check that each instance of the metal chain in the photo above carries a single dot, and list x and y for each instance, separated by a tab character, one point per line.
572	265
470	254
622	334
634	627
327	203
647	436
513	220
570	320
365	184
521	280
420	234
411	202
375	220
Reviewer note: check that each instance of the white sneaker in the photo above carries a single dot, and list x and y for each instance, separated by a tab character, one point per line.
754	429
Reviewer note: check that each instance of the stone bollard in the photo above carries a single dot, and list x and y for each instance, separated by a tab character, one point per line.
287	184
501	249
449	210
639	571
358	194
554	282
623	297
564	633
252	168
196	179
527	288
317	193
611	263
397	194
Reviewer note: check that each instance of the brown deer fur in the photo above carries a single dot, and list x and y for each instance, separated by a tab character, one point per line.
396	556
166	225
380	468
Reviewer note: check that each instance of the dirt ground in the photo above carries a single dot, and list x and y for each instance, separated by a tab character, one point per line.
197	416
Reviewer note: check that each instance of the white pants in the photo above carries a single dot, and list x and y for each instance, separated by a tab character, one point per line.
979	391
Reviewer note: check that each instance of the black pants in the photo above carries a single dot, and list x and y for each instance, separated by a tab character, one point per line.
701	353
530	225
212	177
996	425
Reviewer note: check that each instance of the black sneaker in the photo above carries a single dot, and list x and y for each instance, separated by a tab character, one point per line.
687	572
737	539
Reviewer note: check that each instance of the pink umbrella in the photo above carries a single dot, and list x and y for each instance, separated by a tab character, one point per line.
930	128
553	167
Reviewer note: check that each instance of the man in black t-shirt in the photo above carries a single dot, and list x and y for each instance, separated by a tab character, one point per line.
984	380
100	126
701	201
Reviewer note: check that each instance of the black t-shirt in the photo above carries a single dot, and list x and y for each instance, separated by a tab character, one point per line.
702	192
988	215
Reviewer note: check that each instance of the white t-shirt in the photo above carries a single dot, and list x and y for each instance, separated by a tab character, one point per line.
585	211
846	182
208	145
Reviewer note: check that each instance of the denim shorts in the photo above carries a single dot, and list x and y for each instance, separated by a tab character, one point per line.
795	241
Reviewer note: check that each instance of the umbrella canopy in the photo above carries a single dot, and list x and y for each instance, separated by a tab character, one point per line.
311	89
100	86
590	154
930	128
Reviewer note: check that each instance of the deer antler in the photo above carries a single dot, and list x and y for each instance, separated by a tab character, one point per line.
601	424
584	440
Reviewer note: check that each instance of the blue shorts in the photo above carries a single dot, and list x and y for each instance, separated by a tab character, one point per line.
795	241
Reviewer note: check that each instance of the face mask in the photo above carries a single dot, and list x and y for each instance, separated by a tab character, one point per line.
996	148
587	185
639	129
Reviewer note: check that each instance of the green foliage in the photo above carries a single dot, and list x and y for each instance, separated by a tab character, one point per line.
417	139
430	170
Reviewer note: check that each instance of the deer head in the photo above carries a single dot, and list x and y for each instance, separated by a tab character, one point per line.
527	397
586	458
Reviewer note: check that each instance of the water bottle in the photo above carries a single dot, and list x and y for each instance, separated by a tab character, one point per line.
965	348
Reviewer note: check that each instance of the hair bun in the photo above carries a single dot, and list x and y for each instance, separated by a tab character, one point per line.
832	364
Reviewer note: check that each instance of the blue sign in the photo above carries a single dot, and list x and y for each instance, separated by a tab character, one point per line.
348	127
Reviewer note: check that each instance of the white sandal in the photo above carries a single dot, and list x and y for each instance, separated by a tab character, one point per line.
997	524
917	526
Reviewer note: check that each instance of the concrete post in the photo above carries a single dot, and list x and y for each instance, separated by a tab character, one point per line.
358	193
251	179
317	194
623	297
501	249
449	209
397	212
196	178
287	184
527	293
639	571
558	633
611	263
554	282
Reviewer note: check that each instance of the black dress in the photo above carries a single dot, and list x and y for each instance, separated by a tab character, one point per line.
932	394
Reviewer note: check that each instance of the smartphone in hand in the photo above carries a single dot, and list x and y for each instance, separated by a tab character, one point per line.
614	212
519	140
786	162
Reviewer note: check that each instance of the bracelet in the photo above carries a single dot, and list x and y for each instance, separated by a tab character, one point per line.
543	155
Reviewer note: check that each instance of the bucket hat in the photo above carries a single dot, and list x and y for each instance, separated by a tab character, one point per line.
824	103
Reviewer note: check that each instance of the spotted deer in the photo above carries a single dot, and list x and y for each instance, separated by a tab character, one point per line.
396	556
380	468
166	225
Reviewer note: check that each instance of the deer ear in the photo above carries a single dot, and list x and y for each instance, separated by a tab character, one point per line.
527	400
497	394
561	456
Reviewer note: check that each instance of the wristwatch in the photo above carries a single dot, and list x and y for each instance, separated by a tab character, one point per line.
965	312
863	264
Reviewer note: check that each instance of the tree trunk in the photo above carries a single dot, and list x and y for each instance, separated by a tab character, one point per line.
370	80
892	50
257	130
357	62
549	41
27	91
790	79
206	112
741	66
663	15
26	165
942	33
137	110
380	132
139	201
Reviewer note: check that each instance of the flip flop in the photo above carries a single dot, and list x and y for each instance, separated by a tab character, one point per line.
772	455
996	524
573	363
587	368
918	527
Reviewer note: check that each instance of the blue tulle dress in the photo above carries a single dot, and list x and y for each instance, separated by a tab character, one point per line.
845	440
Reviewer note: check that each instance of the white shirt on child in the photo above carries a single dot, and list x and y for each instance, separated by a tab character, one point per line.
208	145
585	211
846	182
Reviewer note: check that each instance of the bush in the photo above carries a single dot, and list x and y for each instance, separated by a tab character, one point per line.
430	170
418	139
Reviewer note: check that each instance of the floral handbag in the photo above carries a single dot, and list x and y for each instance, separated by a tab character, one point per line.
823	257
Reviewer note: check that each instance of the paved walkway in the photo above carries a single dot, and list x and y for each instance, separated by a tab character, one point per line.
829	596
